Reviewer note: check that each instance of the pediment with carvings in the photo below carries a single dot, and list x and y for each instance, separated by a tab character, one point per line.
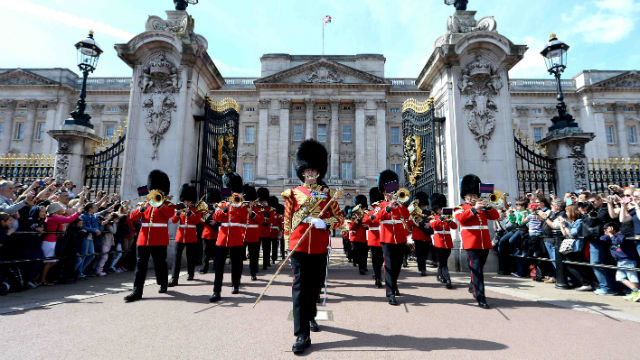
24	77
630	79
321	72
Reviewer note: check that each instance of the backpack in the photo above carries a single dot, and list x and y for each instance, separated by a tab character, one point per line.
535	273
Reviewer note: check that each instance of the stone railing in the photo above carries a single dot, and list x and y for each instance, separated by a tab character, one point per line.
332	182
540	84
403	83
239	83
106	83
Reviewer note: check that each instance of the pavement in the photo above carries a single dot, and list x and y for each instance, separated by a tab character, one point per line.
527	320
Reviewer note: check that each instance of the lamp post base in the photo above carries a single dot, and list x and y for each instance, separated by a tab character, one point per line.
79	119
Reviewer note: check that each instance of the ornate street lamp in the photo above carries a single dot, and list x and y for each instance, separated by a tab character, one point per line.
555	56
88	55
182	4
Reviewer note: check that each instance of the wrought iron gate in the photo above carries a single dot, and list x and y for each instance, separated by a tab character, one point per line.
104	167
535	169
219	139
424	158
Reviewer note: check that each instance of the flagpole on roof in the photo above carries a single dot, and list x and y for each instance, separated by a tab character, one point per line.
323	23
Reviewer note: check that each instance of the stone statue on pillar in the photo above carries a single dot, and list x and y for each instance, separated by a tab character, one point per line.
459	4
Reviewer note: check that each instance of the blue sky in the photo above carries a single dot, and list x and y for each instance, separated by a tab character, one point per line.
603	34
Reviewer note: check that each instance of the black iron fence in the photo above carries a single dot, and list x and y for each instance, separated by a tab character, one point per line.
26	167
104	168
535	169
618	171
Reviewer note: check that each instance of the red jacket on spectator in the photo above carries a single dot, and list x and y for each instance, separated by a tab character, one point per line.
393	224
187	226
442	232
233	225
474	228
154	231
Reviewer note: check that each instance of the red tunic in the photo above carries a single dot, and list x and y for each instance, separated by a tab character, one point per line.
393	225
357	232
254	225
474	228
373	232
233	225
442	232
187	226
317	240
154	231
276	220
209	233
418	234
265	229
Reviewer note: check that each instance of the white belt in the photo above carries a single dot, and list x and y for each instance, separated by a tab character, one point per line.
442	232
374	229
275	228
477	227
233	224
153	225
391	222
187	226
252	226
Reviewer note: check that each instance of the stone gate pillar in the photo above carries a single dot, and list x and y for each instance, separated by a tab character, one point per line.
75	142
172	73
566	147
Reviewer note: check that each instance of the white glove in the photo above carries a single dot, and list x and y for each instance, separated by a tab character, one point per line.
316	223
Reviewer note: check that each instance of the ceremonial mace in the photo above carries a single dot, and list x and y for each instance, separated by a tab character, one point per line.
335	196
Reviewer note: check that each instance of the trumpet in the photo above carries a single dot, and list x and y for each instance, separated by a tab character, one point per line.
403	195
155	198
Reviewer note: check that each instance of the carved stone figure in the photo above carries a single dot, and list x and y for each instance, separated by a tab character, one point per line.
322	75
61	169
64	146
580	173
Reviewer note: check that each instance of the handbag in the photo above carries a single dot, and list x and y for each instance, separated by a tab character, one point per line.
566	246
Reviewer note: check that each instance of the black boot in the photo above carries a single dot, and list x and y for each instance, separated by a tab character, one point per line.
448	284
302	342
483	303
190	277
253	277
172	283
204	269
378	283
215	297
392	300
134	296
423	273
313	326
236	290
163	289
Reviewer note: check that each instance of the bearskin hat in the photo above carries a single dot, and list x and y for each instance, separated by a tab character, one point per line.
347	209
249	192
213	196
385	177
280	209
263	194
158	180
311	155
423	198
470	184
232	181
375	195
273	201
437	201
360	200
188	192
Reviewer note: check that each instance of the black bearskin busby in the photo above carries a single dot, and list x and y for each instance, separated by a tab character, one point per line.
232	181
213	196
273	201
280	209
360	200
423	198
437	201
263	194
249	192
470	184
386	177
347	210
158	180
188	192
311	155
375	195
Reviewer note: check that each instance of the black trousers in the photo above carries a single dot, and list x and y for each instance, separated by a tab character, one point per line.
266	252
282	248
192	253
346	244
254	255
393	255
208	252
477	258
421	254
159	254
308	279
235	253
360	252
274	250
443	268
377	259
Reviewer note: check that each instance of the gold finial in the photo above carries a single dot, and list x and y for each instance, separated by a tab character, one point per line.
552	36
519	134
91	32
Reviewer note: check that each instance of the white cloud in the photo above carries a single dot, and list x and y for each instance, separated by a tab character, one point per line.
29	9
532	64
608	22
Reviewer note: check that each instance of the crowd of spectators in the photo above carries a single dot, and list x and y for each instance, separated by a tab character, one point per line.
79	234
586	227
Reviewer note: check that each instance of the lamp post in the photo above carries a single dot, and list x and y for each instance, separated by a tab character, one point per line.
88	55
182	4
555	57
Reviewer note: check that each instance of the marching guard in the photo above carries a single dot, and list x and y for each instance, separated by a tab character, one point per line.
442	226
252	237
420	230
373	235
358	233
304	207
473	218
274	227
265	229
210	231
186	236
153	237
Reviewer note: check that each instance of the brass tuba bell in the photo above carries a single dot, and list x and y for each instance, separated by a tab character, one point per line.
236	199
155	198
496	198
403	195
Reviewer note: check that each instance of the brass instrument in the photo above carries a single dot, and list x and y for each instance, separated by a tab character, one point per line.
496	199
357	213
155	198
448	216
415	212
403	195
236	199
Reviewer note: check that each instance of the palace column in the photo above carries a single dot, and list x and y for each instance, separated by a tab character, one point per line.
308	127
335	138
360	139
283	149
29	125
622	129
262	137
8	126
381	135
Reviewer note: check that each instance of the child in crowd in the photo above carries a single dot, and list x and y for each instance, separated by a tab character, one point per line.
623	252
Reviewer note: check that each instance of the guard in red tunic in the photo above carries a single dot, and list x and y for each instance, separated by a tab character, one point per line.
373	235
303	206
473	218
153	237
393	219
186	236
233	218
265	228
275	228
252	237
358	233
420	230
210	230
442	226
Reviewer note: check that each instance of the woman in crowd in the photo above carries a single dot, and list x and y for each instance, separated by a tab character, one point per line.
572	228
54	225
91	225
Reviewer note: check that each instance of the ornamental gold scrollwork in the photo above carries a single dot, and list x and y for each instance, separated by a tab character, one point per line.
223	105
413	158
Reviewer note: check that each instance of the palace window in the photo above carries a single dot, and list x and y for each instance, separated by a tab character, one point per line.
112	109
22	105
293	170
40	131
250	109
298	107
19	133
1	129
247	172
346	107
397	168
536	111
628	109
109	130
394	110
346	170
610	134
322	107
537	134
297	132
631	135
322	132
346	133
395	135
249	134
44	106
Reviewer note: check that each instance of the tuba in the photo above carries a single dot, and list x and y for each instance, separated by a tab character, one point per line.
415	213
155	198
403	195
357	213
496	199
